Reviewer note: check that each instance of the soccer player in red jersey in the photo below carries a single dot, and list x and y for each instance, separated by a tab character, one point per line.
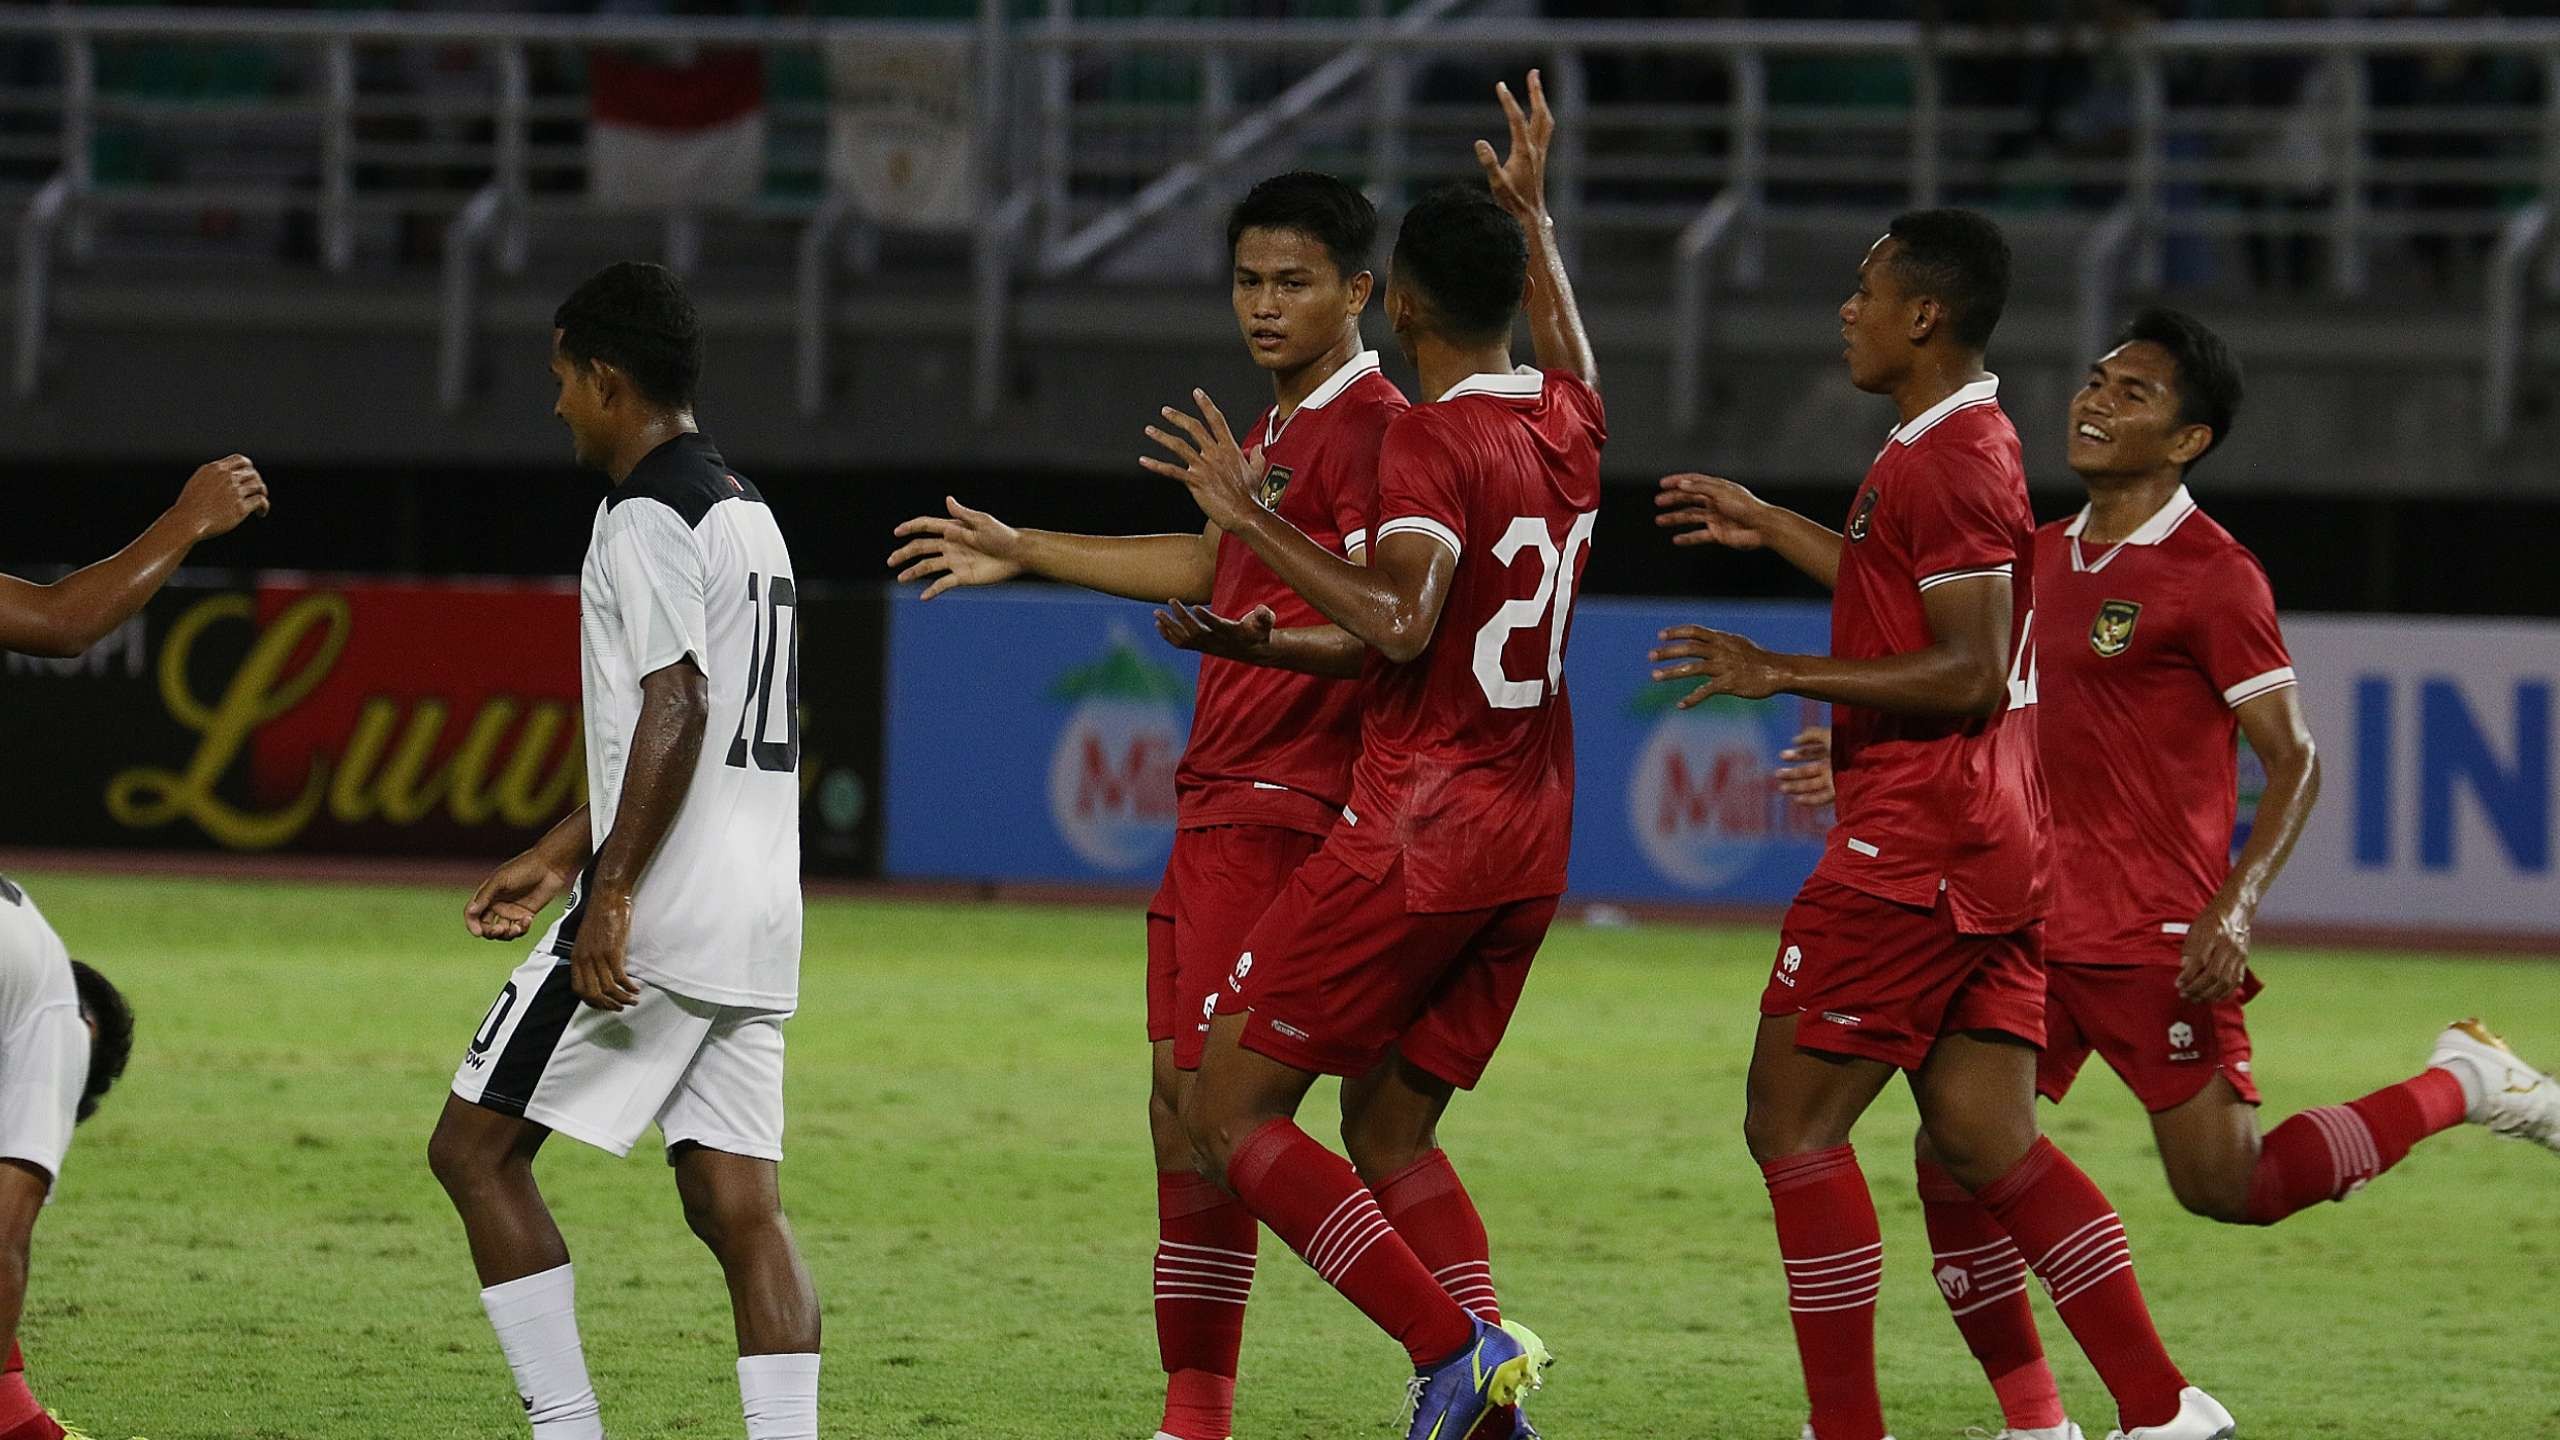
1275	725
1915	946
2157	639
1395	956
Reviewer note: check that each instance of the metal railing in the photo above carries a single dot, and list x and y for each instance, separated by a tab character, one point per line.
1104	143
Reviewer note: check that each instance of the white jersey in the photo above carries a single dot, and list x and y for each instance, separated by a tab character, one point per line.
687	564
44	1044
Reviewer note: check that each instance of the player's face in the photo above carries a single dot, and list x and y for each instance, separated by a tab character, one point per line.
1291	300
1875	322
579	405
2124	421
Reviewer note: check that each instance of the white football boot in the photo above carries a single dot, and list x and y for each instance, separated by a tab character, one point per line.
2508	1096
2064	1431
2200	1417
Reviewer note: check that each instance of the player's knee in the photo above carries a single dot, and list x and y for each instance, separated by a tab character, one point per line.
2213	1196
725	1222
1775	1134
457	1164
1380	1151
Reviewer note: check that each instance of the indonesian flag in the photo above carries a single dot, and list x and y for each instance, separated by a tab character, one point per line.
664	135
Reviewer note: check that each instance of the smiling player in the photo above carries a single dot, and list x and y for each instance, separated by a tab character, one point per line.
2156	638
1273	730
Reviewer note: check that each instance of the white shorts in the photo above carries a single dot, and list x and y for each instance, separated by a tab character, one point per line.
44	1064
705	1073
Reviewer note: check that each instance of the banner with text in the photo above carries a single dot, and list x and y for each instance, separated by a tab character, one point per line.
1033	735
296	713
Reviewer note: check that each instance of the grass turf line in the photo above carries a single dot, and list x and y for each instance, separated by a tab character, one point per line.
248	1245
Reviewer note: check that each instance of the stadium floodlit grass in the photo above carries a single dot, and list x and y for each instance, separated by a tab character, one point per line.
248	1243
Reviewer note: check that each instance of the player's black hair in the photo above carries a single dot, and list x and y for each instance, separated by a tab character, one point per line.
2208	373
1961	260
1331	212
636	316
1467	257
105	1007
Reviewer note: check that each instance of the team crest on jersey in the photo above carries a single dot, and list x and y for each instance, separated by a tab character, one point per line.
2112	631
1864	520
1274	481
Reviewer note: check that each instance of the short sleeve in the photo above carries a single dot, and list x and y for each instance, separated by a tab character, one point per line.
2235	635
659	586
1585	402
1419	490
1961	518
1353	473
44	1065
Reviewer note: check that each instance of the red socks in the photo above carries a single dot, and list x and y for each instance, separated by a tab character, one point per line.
1434	1214
1984	1279
1204	1274
2072	1239
21	1418
1313	1199
1432	1211
1834	1256
2334	1151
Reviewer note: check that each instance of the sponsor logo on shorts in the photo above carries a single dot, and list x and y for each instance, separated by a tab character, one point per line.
1789	964
2182	1042
473	1060
1244	967
1285	1028
1208	1008
1954	1281
1836	1018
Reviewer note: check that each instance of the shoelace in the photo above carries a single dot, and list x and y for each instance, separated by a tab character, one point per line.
1413	1389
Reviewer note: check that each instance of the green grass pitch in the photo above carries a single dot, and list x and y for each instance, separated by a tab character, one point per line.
247	1242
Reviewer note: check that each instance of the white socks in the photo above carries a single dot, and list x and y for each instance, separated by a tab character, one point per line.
537	1323
780	1393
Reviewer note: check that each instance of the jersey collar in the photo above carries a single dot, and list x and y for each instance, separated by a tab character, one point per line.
1525	382
2152	531
1981	392
1363	364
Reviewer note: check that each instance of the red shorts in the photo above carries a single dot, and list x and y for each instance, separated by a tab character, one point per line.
1871	978
1337	973
2167	1049
1215	886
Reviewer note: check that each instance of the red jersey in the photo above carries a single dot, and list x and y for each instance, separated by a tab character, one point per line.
1940	803
1466	752
2147	648
1274	747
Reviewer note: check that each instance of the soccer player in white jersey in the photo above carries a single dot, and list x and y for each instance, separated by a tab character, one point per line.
659	994
65	1034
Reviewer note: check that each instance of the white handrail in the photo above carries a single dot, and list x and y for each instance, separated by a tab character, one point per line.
2508	319
37	232
1692	266
2101	263
458	339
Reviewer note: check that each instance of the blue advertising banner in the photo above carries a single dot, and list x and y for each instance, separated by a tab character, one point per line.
1032	735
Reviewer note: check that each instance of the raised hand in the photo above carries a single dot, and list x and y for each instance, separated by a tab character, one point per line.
1519	180
1805	778
970	548
511	899
1197	627
1730	664
219	496
1221	477
1711	510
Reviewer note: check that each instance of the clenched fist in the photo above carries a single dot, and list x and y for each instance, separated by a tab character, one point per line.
221	495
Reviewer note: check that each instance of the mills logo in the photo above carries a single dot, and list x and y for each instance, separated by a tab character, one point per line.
1701	801
1111	777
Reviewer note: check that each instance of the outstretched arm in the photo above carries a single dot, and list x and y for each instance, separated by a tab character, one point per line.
1392	604
1519	185
1327	650
1961	671
1711	510
75	612
2216	954
972	547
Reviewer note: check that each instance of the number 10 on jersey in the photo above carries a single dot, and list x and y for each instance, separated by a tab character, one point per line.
767	643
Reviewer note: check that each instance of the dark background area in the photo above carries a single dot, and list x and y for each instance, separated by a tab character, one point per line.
2366	553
